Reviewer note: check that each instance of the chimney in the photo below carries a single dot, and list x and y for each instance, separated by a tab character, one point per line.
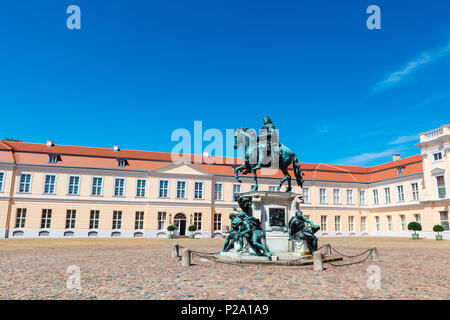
116	148
49	143
396	157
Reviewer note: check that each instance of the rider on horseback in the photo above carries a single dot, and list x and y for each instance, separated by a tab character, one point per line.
265	143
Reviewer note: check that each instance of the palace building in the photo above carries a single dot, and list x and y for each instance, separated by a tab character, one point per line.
50	190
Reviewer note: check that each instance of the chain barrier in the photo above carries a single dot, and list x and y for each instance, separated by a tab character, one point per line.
211	256
369	251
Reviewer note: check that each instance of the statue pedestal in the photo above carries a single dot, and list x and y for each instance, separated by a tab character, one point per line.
274	209
299	247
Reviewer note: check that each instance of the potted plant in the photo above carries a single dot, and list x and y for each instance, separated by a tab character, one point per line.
192	228
415	226
170	228
438	228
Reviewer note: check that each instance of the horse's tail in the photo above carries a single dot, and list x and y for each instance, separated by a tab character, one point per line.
297	171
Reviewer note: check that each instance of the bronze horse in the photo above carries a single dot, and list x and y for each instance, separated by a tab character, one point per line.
251	151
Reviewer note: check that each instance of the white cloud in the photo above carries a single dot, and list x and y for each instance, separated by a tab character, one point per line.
404	139
363	158
425	58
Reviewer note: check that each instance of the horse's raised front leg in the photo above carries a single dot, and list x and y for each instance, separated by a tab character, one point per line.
236	172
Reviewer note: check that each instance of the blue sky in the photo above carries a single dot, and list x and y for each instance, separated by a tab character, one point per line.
137	70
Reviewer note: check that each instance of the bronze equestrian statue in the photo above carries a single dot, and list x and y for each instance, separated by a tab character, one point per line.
255	151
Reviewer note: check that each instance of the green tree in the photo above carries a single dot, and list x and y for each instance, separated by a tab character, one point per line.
12	139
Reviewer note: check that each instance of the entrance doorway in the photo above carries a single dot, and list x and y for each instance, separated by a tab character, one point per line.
180	224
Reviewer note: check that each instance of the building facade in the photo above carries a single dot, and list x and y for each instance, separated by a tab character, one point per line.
49	190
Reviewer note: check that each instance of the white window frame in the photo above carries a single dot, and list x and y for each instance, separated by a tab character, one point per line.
46	219
351	223
403	222
377	224
144	188
139	222
377	198
402	193
162	221
123	188
101	186
221	191
412	191
20	219
387	195
45	183
324	223
68	185
168	189
202	190
336	200
217	223
2	183
19	182
417	215
362	196
325	201
185	189
352	198
71	219
117	221
438	160
337	223
436	187
94	219
307	194
390	223
198	222
363	224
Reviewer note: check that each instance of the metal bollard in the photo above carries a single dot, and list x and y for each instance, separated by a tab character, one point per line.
175	250
318	262
186	258
373	254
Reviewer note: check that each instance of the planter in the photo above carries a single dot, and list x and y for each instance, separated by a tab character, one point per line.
439	237
415	236
191	236
170	236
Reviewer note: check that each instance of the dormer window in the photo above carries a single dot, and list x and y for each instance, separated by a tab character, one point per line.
121	163
399	171
53	158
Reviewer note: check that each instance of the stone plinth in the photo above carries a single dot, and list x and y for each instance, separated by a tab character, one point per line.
274	209
300	247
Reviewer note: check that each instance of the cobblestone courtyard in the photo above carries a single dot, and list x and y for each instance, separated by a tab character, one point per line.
144	269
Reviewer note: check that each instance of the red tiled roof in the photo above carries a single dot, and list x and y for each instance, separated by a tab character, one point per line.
90	157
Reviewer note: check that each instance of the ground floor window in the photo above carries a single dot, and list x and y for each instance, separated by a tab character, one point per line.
337	223
70	219
377	223
389	221
417	218
198	220
93	220
117	220
351	226
403	222
444	219
139	220
20	217
323	223
363	224
217	221
46	218
161	220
